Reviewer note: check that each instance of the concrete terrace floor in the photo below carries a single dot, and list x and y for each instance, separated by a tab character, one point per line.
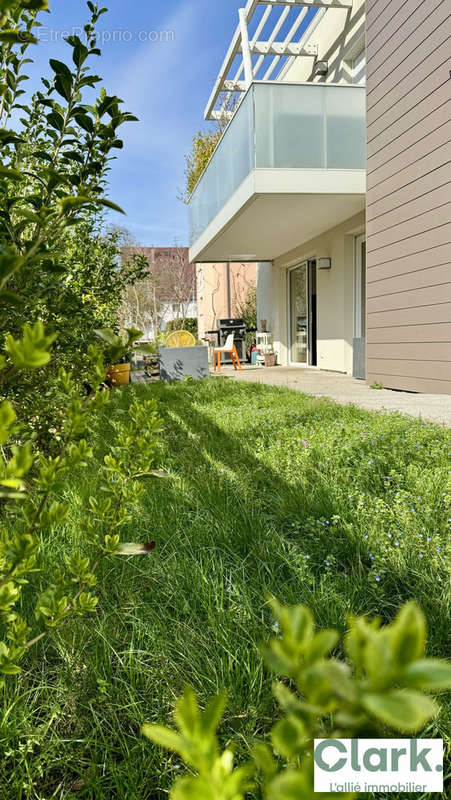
343	389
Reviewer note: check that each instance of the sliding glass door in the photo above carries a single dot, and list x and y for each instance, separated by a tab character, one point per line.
299	323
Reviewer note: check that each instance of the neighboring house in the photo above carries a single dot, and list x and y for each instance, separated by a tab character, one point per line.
221	292
349	281
170	292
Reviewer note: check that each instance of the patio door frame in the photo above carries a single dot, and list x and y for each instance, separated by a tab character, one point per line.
310	265
360	322
359	289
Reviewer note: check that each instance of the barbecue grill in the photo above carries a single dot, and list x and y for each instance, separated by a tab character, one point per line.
236	326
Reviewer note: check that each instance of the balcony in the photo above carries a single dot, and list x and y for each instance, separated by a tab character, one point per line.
290	165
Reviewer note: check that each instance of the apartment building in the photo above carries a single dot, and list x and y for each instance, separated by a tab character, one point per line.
351	278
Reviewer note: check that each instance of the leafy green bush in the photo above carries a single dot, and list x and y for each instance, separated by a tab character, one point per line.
29	485
382	686
56	263
52	183
247	309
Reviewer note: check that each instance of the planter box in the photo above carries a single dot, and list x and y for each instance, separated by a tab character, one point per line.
177	362
270	360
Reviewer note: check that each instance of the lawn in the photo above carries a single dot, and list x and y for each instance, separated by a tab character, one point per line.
271	492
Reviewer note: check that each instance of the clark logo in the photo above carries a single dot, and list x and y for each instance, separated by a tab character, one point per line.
379	765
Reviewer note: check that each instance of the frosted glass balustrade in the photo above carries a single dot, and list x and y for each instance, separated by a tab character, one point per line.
282	126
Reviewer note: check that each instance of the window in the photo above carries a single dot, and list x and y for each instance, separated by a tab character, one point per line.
359	68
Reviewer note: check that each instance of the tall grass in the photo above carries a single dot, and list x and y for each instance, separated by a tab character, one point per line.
271	492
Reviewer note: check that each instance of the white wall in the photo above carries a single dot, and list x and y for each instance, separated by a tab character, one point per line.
340	38
335	295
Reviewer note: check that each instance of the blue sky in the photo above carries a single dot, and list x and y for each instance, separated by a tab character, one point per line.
165	83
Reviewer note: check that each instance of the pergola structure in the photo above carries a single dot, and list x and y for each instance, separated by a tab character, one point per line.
253	52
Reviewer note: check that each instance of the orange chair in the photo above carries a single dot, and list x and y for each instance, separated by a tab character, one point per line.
230	348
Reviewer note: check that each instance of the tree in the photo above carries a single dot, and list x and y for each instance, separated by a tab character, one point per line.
166	293
181	282
141	307
202	149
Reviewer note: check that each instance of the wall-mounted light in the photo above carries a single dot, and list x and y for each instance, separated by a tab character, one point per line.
324	263
321	69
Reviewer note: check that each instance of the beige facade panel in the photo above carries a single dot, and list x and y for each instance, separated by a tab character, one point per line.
418	351
423	315
435	257
412	174
410	334
426	72
406	143
436	370
406	384
410	66
440	137
379	13
396	234
429	202
439	178
409	101
416	243
415	298
413	120
408	27
435	276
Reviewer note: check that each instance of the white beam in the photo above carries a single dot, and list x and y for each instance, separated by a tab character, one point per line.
228	61
273	36
312	3
283	49
289	38
234	50
304	38
245	47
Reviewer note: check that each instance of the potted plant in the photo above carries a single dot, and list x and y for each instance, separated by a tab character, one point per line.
118	354
119	373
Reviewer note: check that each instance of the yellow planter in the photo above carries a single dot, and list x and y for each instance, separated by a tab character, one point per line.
119	374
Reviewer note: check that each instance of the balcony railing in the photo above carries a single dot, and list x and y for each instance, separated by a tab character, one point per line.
282	126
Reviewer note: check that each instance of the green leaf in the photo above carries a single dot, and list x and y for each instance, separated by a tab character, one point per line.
186	712
289	736
296	621
12	174
212	715
430	674
163	736
73	202
11	483
63	86
55	120
10	298
403	710
17	37
61	69
264	760
10	669
110	204
108	336
85	122
321	645
80	54
408	634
